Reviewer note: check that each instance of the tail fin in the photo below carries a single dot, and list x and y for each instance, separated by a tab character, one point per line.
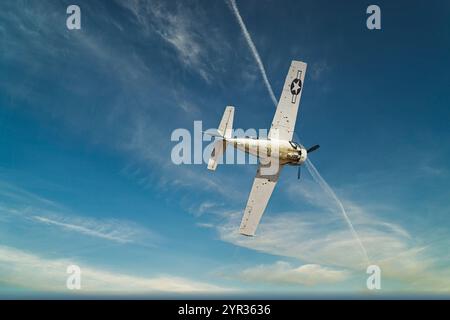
225	129
226	125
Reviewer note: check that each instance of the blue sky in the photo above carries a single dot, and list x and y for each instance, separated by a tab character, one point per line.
85	124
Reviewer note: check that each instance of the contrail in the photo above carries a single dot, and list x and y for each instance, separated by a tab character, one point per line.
326	187
255	53
311	168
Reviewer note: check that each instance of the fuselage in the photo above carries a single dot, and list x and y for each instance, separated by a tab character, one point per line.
287	152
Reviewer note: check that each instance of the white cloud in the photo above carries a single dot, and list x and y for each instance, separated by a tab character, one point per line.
311	238
27	270
18	195
318	236
283	273
131	126
35	41
207	206
197	43
25	205
111	229
205	225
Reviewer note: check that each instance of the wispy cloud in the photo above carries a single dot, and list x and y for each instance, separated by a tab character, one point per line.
205	225
17	203
23	269
14	194
283	272
197	43
320	237
113	230
31	33
177	31
130	126
206	207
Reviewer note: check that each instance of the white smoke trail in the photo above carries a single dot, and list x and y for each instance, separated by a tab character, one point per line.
311	168
326	187
255	53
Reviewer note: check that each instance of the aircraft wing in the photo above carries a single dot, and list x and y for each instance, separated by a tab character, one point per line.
262	188
286	113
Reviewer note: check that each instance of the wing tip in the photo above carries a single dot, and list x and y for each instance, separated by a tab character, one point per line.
299	62
246	233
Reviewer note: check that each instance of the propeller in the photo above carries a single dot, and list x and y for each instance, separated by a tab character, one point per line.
313	148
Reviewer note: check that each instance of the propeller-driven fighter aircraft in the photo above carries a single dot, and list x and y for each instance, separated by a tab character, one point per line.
273	153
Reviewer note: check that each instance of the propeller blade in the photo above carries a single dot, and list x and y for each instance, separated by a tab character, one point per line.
313	148
298	173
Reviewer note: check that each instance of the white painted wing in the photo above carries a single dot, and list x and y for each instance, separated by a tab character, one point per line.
262	189
286	113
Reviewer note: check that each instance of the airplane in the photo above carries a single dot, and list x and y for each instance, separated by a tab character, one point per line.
273	153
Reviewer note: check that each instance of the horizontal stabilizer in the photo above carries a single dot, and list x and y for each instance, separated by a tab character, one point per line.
216	154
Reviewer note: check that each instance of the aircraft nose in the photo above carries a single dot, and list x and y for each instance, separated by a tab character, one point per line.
303	155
